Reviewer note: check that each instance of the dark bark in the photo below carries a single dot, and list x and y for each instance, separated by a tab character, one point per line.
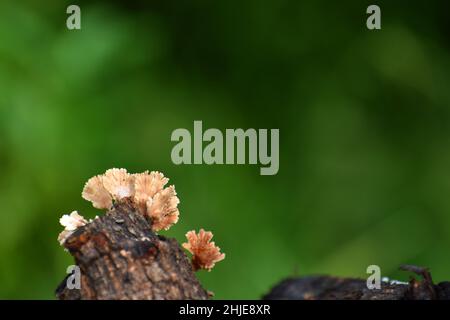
334	288
121	258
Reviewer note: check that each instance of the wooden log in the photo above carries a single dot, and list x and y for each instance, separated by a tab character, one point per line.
335	288
121	258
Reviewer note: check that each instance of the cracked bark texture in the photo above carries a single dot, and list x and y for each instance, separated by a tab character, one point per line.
121	258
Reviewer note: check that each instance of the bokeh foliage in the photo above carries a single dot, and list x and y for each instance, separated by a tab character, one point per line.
363	115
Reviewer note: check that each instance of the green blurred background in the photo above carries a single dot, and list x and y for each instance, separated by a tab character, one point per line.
364	119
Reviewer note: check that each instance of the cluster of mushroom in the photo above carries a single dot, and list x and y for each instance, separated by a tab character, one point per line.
153	200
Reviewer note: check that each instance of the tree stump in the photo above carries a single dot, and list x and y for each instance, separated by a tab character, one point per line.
121	258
